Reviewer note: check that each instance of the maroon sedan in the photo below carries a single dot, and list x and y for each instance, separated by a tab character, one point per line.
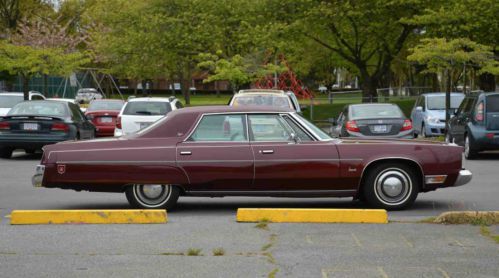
103	114
249	151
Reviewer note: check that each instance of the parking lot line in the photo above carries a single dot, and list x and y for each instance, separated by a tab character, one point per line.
36	217
382	272
443	272
357	241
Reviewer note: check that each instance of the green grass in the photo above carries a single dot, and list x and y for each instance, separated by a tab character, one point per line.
194	252
218	252
485	231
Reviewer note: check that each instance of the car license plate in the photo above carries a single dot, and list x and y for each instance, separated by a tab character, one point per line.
30	126
380	129
106	120
144	125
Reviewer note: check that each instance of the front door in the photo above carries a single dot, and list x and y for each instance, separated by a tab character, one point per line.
217	156
288	158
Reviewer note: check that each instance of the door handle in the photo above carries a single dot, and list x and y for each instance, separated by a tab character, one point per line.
267	151
185	153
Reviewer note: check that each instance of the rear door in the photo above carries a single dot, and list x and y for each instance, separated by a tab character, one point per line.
217	155
492	112
283	164
461	119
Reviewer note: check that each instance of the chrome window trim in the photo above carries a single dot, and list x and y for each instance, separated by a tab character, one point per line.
317	137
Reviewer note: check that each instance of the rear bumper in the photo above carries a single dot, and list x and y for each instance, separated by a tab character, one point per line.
402	135
463	178
37	178
433	129
104	130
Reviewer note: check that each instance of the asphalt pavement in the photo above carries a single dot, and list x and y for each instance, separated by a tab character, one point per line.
403	248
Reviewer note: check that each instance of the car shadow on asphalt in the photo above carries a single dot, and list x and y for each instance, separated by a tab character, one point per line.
21	156
488	156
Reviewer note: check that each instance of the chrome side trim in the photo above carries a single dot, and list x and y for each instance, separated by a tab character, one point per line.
269	192
110	149
464	177
114	162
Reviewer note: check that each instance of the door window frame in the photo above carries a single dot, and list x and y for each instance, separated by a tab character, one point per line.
245	127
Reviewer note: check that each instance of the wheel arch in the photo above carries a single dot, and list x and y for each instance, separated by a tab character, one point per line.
375	162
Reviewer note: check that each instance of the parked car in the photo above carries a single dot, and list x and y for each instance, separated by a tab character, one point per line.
201	151
9	99
372	120
428	114
265	97
139	113
475	125
30	125
86	95
103	113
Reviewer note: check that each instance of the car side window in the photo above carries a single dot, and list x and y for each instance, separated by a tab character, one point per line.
220	128
36	97
268	128
469	106
463	105
77	116
298	130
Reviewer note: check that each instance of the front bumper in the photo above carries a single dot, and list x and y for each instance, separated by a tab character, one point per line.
463	178
37	178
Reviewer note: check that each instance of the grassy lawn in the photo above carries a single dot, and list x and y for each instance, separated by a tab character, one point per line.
322	110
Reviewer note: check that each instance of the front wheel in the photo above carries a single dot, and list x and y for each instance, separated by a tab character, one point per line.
391	186
469	149
152	196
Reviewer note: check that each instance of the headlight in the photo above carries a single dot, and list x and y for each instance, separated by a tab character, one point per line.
433	120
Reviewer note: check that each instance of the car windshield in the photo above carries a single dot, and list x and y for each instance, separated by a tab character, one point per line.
39	108
438	102
375	111
261	100
105	105
147	108
493	104
9	101
322	135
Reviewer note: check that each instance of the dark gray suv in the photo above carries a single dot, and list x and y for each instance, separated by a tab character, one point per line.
475	125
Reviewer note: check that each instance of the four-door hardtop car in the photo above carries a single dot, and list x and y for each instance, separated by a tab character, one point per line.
371	120
249	151
475	125
30	125
428	114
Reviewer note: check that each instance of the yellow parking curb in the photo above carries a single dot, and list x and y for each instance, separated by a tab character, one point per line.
313	215
33	217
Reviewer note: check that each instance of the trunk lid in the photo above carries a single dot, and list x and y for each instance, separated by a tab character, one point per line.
133	123
380	127
30	124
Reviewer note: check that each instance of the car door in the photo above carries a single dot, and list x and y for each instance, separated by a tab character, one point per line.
85	128
461	119
217	155
284	164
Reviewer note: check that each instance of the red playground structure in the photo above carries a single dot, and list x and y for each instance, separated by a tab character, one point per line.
286	81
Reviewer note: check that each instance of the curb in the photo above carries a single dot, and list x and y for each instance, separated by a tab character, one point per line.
378	216
40	217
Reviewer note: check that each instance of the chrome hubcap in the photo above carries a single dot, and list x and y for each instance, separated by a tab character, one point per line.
152	191
152	194
393	186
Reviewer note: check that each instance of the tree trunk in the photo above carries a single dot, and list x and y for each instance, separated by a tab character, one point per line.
25	81
45	84
487	82
369	86
185	84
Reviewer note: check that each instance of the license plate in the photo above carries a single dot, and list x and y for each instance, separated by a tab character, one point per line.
144	125
380	129
106	120
30	126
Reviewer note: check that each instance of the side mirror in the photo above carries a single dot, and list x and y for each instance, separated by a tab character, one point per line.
332	121
419	108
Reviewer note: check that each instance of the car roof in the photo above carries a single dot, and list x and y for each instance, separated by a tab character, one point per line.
265	91
107	99
441	94
147	99
232	109
373	104
17	93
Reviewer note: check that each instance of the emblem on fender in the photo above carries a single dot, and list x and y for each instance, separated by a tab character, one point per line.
61	169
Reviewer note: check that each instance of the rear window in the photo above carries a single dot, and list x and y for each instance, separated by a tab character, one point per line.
10	101
493	104
375	111
105	105
150	108
262	100
42	108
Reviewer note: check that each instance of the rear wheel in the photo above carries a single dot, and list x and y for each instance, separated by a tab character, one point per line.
152	196
423	131
6	152
392	186
469	149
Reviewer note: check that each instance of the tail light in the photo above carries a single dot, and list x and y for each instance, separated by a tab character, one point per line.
4	126
407	125
479	113
118	122
60	127
352	126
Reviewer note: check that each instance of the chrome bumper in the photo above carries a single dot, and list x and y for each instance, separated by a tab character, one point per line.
463	178
37	178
